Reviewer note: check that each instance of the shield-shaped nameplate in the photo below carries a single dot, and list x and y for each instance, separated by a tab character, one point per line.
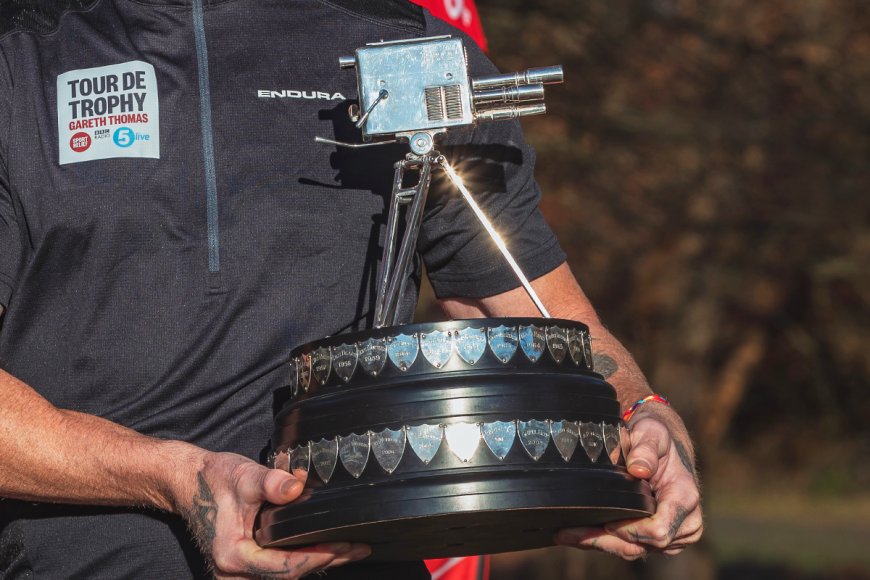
575	346
425	440
503	342
624	440
324	455
373	355
354	452
532	341
499	437
565	434
437	347
402	350
344	359
535	437
305	371
293	376
591	439
557	343
280	460
300	461
471	344
321	364
388	447
463	439
587	348
611	441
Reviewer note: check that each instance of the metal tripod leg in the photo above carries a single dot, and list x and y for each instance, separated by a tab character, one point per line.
396	264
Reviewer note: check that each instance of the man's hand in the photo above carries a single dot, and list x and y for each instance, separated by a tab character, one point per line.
666	463
661	449
221	507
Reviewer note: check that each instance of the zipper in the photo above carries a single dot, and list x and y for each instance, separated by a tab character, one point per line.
211	198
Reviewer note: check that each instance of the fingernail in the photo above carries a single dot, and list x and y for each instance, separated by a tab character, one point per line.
640	468
288	486
338	548
573	536
359	552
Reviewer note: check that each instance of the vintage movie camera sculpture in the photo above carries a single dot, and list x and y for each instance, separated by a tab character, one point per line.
452	438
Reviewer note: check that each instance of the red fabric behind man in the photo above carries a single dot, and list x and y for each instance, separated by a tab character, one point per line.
460	13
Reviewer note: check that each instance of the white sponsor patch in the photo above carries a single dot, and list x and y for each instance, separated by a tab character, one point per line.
108	111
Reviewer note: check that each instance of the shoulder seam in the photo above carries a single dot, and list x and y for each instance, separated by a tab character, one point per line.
377	21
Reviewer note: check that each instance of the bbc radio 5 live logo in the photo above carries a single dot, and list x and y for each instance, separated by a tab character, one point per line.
122	137
108	112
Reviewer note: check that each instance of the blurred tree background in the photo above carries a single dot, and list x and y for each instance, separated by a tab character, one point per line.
705	166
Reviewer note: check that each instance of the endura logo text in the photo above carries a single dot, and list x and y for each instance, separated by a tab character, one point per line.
292	94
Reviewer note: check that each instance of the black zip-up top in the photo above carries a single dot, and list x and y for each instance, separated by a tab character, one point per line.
169	229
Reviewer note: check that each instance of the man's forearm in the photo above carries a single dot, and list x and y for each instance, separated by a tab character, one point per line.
54	455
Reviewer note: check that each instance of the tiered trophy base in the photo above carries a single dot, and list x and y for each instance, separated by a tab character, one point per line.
459	515
450	439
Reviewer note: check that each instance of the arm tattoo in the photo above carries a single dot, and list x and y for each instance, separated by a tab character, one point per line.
203	515
604	365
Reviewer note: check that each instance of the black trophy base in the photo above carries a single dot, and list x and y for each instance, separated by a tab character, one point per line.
459	515
450	439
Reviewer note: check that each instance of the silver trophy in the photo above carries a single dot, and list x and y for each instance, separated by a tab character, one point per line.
452	438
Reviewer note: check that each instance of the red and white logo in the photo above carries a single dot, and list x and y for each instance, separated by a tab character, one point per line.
460	13
80	142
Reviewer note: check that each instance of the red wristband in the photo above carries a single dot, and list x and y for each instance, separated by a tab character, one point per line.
657	398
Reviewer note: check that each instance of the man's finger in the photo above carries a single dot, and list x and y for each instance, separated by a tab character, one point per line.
598	539
279	487
650	443
250	559
660	530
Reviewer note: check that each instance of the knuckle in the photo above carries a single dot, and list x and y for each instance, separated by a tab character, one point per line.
660	535
633	552
225	563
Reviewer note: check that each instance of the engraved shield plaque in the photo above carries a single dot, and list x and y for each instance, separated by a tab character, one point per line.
591	439
280	460
565	434
402	350
293	376
471	344
535	437
425	440
463	439
499	437
373	355
305	372
624	440
575	347
533	340
611	442
503	342
300	461
557	343
321	364
344	358
388	447
587	348
354	453
437	347
324	455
